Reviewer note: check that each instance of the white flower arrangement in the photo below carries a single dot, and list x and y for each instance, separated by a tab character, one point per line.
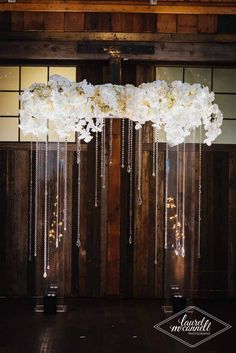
178	108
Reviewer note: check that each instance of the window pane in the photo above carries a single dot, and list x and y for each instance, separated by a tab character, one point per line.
198	75
31	75
227	104
169	74
9	129
9	103
26	138
161	135
9	78
30	137
228	135
53	136
68	72
224	80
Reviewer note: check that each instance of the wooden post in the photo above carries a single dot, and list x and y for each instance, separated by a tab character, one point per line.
114	177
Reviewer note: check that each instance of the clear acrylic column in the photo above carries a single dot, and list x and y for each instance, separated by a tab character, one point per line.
181	209
50	218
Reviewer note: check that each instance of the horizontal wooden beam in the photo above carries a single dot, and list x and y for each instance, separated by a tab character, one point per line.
164	52
124	7
117	36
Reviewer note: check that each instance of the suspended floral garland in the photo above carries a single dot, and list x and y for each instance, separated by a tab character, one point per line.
67	107
178	108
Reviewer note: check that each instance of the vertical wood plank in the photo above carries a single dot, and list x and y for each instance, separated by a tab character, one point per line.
167	23
3	221
159	280
97	22
33	21
113	275
129	75
5	21
67	241
187	24
53	21
207	23
17	21
73	22
232	225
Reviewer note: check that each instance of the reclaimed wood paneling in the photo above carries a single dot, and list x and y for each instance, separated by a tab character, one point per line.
53	21
17	21
187	24
167	23
232	226
210	276
3	217
33	21
113	280
74	22
5	21
97	22
207	24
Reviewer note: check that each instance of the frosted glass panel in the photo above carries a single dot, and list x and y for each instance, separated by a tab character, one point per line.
30	137
30	75
198	75
9	129
9	103
26	138
169	74
9	78
161	135
224	80
68	72
228	135
227	104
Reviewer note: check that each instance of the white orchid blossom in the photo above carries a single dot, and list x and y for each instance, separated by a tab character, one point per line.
178	108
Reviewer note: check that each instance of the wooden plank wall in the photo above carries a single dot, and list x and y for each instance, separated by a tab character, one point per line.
212	276
106	22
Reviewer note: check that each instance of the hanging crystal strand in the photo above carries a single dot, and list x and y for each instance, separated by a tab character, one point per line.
166	194
154	129
65	187
36	198
45	210
96	171
104	156
78	148
177	235
183	212
155	163
57	193
123	143
199	194
49	209
78	242
110	141
131	184
48	227
30	201
129	147
140	167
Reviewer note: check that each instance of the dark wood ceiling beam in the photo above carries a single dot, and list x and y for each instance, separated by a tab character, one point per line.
125	7
164	52
114	36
